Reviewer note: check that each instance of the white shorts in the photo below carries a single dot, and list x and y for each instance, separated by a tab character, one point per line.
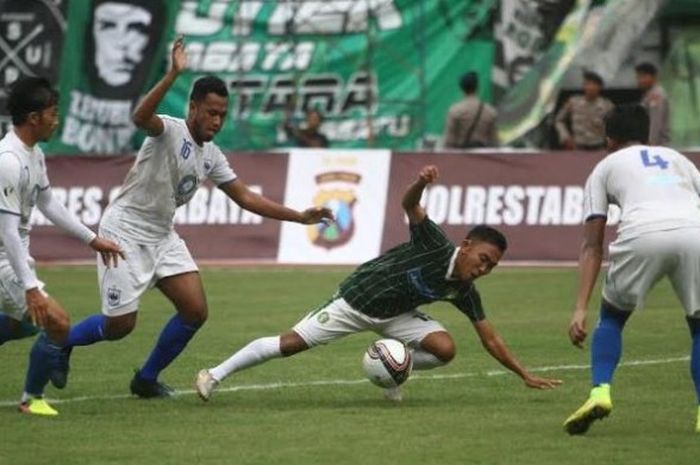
338	319
637	264
13	301
145	265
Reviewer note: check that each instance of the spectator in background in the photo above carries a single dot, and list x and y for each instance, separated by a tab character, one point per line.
581	121
309	135
655	101
470	122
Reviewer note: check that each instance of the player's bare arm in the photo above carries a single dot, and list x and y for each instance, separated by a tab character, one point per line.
256	203
411	199
495	346
144	116
590	260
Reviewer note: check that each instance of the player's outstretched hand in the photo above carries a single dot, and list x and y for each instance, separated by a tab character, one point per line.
315	215
178	55
109	250
536	382
577	328
37	307
428	174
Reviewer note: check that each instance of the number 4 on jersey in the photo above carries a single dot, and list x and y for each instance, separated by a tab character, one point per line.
656	160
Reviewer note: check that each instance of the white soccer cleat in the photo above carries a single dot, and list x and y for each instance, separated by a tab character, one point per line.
393	394
205	384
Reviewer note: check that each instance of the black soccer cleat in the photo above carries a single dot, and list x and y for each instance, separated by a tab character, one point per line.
149	389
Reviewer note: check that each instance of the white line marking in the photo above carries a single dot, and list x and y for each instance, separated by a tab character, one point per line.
350	382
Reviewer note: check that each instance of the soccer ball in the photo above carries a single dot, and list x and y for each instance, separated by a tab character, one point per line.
387	363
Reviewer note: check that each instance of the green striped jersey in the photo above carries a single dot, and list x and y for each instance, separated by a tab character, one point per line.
410	275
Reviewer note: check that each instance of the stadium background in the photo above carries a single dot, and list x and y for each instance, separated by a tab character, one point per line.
383	72
318	408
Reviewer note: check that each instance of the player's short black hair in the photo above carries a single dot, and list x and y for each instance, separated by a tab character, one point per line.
628	123
469	82
488	234
593	77
28	95
208	85
646	68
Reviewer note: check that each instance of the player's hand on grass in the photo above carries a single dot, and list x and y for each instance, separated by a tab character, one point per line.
536	382
577	328
110	251
315	215
428	174
37	307
178	55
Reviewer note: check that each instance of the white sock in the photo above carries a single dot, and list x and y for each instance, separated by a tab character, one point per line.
26	397
259	351
423	360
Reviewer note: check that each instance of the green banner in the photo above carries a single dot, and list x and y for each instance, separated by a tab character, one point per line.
382	72
680	77
113	52
533	97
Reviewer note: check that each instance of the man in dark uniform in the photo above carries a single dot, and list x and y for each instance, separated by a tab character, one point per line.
383	295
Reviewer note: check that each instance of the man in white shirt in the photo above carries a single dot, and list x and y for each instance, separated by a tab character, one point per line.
658	191
24	306
176	157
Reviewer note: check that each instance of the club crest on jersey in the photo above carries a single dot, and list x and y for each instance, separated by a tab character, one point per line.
114	296
186	149
185	188
336	192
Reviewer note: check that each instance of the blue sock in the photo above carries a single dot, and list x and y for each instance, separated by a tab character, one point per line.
694	324
173	339
87	332
606	347
9	329
39	366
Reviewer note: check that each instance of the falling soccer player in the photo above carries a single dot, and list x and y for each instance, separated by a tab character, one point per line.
658	191
383	295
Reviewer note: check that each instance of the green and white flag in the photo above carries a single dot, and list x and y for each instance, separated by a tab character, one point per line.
534	96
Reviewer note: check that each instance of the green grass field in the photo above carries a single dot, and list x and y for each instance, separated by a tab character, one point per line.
281	413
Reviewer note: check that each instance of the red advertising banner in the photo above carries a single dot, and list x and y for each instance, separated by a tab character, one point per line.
214	227
535	199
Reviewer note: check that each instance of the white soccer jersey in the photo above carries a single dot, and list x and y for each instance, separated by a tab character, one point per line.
22	177
656	188
166	174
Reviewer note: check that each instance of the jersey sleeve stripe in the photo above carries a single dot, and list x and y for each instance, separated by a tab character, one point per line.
222	184
595	216
9	212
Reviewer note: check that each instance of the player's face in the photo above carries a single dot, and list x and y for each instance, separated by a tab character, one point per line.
476	259
645	81
45	122
208	116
